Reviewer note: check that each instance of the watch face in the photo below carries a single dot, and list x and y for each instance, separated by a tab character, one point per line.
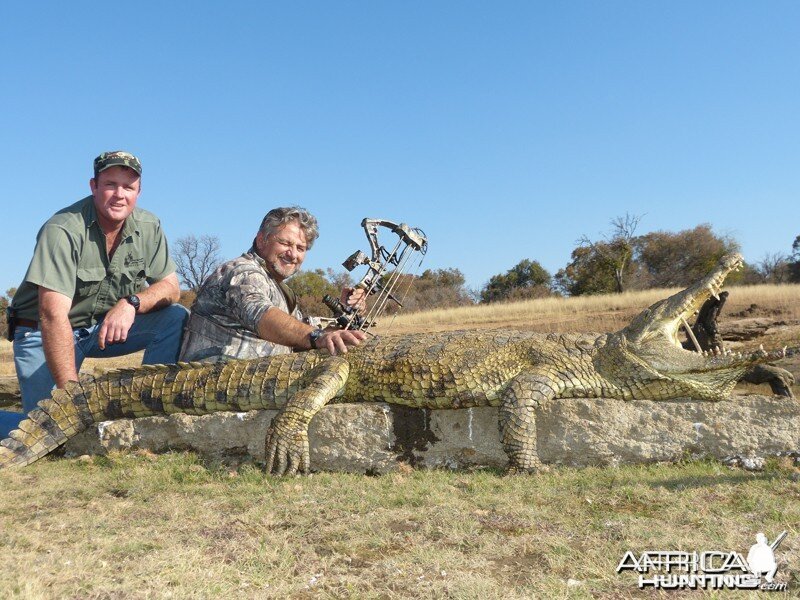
314	337
133	300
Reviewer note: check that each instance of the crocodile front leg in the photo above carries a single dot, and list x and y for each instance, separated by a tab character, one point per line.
524	394
286	446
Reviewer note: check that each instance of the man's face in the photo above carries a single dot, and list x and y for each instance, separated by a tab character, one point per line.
283	250
115	192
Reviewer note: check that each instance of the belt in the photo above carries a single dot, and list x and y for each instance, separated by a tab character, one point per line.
26	323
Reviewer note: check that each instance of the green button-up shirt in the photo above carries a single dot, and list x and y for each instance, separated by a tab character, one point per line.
71	258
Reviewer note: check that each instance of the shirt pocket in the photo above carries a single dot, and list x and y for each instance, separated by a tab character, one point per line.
133	279
89	280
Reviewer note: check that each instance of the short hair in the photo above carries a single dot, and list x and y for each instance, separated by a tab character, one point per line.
278	217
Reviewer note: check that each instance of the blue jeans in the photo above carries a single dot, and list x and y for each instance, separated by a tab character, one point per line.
158	333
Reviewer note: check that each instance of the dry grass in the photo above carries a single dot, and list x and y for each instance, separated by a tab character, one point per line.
6	358
90	365
172	527
608	312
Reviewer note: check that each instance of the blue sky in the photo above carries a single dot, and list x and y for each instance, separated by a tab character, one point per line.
505	130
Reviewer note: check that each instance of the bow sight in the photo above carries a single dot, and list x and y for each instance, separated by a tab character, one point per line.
384	271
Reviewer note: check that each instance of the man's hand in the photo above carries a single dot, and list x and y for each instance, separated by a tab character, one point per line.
336	341
116	324
355	297
119	319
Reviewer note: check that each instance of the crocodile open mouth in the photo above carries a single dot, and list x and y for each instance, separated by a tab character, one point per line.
690	301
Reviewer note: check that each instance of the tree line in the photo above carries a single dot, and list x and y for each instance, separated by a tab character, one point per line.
614	263
617	262
624	261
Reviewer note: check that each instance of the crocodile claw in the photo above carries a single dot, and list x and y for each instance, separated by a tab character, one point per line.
530	470
287	450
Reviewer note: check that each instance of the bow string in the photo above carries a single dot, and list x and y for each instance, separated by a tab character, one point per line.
385	269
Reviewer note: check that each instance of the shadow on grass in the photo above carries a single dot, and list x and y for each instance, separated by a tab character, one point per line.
682	483
730	476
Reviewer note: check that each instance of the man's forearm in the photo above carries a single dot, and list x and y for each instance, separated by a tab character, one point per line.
281	328
160	294
59	349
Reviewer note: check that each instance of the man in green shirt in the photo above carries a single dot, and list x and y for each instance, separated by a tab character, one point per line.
84	294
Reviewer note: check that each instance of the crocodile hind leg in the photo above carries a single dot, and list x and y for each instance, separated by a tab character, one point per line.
524	394
287	449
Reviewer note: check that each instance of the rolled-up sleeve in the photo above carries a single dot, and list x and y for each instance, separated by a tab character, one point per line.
55	261
161	263
248	297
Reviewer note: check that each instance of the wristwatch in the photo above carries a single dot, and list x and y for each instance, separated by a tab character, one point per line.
314	336
134	301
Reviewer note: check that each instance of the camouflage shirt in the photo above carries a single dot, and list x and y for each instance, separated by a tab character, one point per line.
229	305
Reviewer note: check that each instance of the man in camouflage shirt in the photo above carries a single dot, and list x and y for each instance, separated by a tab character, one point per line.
85	293
246	310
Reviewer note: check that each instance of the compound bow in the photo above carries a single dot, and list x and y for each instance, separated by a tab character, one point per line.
384	271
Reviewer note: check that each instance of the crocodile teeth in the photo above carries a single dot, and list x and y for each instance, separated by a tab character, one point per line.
712	291
761	347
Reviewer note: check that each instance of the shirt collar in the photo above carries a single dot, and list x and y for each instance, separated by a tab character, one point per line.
261	262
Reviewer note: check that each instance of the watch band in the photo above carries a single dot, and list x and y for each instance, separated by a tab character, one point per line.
314	336
134	301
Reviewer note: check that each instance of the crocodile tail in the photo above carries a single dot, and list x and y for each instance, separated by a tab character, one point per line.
55	420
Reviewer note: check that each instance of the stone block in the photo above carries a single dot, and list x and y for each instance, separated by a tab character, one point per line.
379	438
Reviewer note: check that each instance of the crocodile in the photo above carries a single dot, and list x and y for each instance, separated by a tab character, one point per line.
516	371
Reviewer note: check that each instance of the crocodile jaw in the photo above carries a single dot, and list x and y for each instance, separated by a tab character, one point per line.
651	340
664	318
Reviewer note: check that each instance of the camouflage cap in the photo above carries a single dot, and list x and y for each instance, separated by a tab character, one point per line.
117	158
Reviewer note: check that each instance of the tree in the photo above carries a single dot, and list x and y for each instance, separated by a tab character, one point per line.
310	287
435	288
526	279
196	258
587	273
616	252
439	288
773	268
5	300
677	259
794	264
657	259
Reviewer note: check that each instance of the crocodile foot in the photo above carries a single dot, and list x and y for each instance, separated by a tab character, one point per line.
287	451
528	470
780	380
